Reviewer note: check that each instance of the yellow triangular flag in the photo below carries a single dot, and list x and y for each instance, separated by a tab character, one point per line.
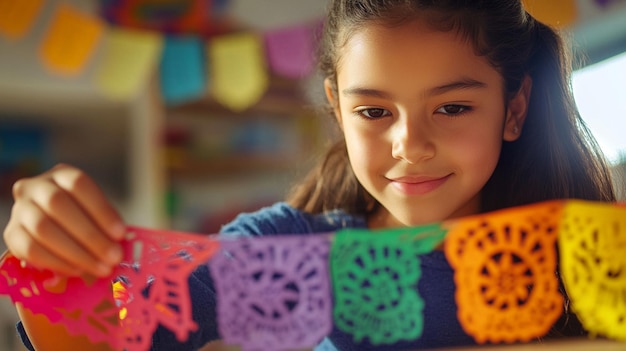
555	13
17	17
70	40
592	242
128	57
239	73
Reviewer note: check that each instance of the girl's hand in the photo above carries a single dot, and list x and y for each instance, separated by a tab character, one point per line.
62	221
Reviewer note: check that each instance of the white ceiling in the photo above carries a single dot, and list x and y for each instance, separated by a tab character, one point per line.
268	14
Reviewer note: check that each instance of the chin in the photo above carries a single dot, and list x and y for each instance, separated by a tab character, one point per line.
412	220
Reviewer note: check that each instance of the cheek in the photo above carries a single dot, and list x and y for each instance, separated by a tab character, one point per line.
478	150
366	148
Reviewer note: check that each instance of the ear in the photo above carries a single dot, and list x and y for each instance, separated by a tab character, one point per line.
517	108
332	99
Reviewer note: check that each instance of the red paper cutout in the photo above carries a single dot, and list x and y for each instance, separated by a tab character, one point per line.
89	310
151	289
171	259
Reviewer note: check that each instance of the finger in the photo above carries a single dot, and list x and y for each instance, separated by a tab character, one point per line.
46	232
91	198
73	221
24	247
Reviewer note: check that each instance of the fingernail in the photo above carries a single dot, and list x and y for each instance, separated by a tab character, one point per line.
118	230
102	270
114	255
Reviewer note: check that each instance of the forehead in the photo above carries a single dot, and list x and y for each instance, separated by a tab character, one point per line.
410	54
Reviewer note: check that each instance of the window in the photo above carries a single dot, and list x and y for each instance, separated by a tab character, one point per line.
600	92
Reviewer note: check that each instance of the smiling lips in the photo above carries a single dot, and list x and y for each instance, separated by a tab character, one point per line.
418	185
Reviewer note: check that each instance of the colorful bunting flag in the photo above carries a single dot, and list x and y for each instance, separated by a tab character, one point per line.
592	240
168	16
604	3
290	51
286	292
557	13
375	278
239	63
505	272
238	71
183	75
275	292
17	17
128	58
161	260
70	40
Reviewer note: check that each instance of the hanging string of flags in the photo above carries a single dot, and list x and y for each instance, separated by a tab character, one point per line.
193	54
287	292
190	43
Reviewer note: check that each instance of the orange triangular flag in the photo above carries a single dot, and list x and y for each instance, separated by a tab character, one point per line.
555	13
70	40
17	17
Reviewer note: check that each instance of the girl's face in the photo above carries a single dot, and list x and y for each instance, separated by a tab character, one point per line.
424	119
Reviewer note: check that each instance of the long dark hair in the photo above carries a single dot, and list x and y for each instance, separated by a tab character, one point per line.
555	157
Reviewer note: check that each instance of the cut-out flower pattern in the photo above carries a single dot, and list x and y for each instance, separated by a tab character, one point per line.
273	292
154	273
375	278
593	260
506	280
84	306
505	273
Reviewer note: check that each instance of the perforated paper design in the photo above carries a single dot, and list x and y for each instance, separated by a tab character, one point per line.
160	294
593	265
505	272
285	292
375	276
84	307
273	292
154	291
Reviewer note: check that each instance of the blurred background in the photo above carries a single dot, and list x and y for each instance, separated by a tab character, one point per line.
187	112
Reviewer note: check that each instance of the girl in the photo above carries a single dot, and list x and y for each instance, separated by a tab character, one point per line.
447	108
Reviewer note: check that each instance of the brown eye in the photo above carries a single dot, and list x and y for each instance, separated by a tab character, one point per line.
374	112
453	110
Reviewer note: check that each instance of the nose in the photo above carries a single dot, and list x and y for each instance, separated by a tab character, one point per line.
412	140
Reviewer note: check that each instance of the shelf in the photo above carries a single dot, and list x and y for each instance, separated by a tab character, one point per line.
283	97
228	166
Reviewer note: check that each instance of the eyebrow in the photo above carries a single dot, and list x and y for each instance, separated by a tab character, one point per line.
366	92
462	84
